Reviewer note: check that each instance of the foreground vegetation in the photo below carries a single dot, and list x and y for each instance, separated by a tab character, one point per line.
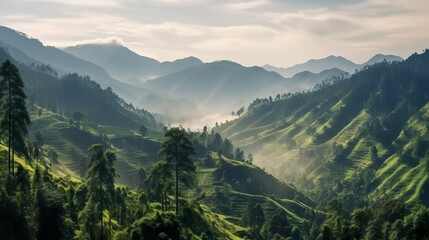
200	186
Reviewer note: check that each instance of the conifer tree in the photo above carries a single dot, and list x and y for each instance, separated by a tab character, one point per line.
176	151
14	116
100	180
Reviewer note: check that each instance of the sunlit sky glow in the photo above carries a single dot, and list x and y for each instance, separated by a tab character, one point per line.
255	32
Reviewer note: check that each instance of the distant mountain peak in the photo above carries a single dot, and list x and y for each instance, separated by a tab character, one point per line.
329	62
382	57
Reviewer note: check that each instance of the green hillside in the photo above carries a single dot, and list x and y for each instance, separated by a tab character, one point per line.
71	143
371	128
72	93
230	185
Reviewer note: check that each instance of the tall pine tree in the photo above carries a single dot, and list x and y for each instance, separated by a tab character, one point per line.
100	179
14	116
176	150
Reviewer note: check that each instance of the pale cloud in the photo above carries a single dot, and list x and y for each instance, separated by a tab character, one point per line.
109	40
250	32
81	3
244	5
177	2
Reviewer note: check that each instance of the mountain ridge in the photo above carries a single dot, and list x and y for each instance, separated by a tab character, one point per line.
371	124
329	62
127	65
64	62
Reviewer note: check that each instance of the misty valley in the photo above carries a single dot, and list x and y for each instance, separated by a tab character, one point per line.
99	142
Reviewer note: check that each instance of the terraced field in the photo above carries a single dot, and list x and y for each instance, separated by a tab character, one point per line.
231	185
71	143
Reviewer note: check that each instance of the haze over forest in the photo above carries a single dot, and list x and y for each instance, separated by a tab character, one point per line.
204	119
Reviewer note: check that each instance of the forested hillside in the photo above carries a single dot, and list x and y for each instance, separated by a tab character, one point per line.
60	180
366	136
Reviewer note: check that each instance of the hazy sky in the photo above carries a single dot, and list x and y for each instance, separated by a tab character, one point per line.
254	32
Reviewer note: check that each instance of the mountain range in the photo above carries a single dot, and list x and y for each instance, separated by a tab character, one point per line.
124	64
180	90
351	150
318	65
28	50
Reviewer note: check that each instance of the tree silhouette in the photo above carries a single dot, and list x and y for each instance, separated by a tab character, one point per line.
176	151
159	183
14	117
143	130
100	180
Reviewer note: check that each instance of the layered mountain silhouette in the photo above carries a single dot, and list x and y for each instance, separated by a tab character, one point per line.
181	88
128	66
318	65
28	50
224	85
32	52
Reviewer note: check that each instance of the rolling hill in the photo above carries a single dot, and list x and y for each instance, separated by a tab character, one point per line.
370	127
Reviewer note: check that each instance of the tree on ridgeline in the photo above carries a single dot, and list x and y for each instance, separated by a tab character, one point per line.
239	155
176	151
14	117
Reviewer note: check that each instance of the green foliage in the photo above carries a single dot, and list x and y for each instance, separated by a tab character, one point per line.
160	183
12	221
375	121
176	151
253	216
157	226
51	214
101	193
278	225
14	117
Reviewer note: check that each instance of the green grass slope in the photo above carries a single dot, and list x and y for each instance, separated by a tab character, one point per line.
229	186
71	143
375	121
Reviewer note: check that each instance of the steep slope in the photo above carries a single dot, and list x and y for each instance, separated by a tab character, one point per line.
61	61
229	186
105	118
72	93
362	127
71	142
330	62
126	65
